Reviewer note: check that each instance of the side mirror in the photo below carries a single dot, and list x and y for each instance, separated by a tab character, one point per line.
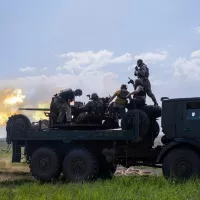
164	98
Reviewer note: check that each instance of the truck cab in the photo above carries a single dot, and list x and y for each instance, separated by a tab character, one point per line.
180	122
181	118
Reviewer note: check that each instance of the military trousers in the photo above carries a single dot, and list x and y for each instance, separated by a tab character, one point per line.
121	109
64	110
148	89
137	103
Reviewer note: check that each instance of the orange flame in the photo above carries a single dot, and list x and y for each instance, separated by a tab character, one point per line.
38	115
10	99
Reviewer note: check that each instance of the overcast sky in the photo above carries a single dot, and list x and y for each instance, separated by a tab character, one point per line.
93	45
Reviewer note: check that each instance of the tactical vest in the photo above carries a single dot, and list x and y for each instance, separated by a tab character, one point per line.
97	107
67	94
146	74
141	93
122	94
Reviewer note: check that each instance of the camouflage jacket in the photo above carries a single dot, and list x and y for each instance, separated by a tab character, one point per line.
95	107
142	72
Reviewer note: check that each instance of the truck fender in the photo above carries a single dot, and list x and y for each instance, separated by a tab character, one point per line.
175	143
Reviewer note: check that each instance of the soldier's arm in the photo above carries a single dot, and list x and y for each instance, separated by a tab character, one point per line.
135	73
112	97
129	97
88	105
85	108
138	89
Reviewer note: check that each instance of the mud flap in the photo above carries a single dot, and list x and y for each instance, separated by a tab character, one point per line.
16	152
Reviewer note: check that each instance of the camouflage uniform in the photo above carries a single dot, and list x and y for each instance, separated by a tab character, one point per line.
139	99
63	106
64	110
143	74
94	107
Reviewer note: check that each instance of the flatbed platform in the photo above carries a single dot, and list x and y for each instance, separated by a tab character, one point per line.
68	135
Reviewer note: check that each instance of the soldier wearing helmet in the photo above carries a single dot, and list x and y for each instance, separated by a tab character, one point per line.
120	101
142	72
94	96
139	94
94	107
62	101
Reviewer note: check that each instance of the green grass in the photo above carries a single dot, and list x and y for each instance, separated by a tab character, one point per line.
119	188
3	149
123	188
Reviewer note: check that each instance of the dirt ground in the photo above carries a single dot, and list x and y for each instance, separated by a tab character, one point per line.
11	172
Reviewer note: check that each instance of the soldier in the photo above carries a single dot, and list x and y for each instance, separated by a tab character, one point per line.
94	107
62	102
120	102
139	94
142	72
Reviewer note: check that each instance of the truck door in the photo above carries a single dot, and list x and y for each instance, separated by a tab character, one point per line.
188	119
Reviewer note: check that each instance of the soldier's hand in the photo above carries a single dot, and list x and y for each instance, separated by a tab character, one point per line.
136	68
135	73
130	81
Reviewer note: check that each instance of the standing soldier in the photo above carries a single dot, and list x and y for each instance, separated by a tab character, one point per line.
139	94
120	102
62	102
142	72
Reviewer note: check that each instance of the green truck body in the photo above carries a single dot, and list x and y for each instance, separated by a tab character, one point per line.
102	150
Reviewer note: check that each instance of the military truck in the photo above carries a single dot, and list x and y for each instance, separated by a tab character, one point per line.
87	152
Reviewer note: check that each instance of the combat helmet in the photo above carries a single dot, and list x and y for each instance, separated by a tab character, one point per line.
94	96
78	92
139	62
123	87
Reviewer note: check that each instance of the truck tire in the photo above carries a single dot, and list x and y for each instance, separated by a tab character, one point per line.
80	165
130	117
152	112
17	125
182	163
45	164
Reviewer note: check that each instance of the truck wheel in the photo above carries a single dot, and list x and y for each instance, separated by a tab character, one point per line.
80	165
19	124
45	164
182	163
127	122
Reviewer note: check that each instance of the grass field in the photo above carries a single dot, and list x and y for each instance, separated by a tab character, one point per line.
119	188
16	183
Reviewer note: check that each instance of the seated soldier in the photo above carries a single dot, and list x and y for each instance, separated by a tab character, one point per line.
139	95
120	102
92	108
60	105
